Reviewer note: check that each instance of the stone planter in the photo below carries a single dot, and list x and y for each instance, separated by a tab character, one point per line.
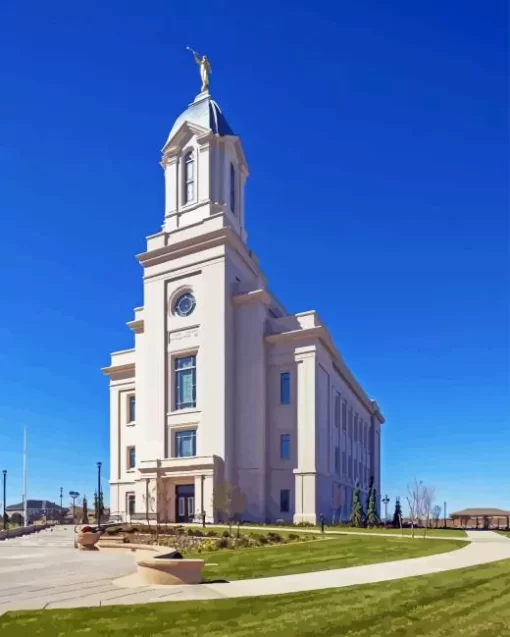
87	541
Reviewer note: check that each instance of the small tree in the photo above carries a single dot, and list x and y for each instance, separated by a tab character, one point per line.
357	514
397	515
372	517
229	501
85	511
419	499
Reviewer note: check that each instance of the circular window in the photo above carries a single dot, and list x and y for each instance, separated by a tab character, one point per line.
185	304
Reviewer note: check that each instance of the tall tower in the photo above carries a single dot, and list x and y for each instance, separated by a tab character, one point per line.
205	170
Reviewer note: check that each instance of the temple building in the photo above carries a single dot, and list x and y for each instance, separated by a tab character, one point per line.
223	386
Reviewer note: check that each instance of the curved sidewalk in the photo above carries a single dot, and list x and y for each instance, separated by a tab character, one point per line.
99	590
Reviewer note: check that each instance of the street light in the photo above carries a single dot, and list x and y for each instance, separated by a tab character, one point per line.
99	493
61	510
5	514
385	501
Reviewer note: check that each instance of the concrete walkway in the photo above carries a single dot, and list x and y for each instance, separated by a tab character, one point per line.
67	578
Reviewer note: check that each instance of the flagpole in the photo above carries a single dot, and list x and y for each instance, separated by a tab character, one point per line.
25	503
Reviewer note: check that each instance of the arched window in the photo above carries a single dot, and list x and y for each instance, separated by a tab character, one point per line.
232	188
189	177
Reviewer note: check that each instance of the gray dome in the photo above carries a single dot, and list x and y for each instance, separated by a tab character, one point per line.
205	112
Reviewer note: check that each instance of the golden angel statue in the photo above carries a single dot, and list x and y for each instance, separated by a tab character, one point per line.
205	68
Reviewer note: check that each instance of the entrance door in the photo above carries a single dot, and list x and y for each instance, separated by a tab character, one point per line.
184	502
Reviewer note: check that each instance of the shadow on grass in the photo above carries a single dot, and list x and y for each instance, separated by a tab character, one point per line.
215	581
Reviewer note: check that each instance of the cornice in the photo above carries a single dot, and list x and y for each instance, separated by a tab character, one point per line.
136	326
117	371
255	296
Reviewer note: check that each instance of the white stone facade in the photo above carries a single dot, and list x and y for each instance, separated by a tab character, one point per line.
226	386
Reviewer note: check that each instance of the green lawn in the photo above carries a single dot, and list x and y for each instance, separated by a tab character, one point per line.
460	533
506	533
418	532
318	555
471	602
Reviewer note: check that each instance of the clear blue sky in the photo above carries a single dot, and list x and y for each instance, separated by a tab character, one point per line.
376	134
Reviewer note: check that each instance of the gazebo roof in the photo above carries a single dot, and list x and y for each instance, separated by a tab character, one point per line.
480	512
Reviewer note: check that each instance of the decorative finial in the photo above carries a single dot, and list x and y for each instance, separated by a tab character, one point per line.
205	68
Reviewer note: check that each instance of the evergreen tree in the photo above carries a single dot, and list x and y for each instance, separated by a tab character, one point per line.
372	517
397	515
357	515
85	512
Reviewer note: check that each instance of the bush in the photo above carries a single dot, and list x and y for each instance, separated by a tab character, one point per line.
294	536
198	533
243	541
262	539
306	524
211	534
225	534
222	543
190	532
274	537
180	530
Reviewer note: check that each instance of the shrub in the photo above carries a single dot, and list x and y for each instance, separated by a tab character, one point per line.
274	537
243	541
262	539
294	536
211	534
198	533
225	534
190	532
306	524
180	530
222	543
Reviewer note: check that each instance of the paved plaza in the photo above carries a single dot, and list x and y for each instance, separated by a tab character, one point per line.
46	571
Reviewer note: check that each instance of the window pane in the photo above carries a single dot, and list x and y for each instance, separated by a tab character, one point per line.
285	446
131	503
185	382
284	501
132	405
132	458
189	191
185	444
285	388
190	167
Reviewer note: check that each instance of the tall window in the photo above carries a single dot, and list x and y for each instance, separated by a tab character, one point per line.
131	457
131	503
344	464
131	409
337	410
337	459
189	177
232	188
285	446
284	501
344	416
185	443
285	388
185	382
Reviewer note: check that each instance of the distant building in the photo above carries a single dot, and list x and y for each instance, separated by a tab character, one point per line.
481	517
36	509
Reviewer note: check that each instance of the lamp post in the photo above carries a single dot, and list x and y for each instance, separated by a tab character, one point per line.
61	510
5	483
202	479
385	502
99	493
